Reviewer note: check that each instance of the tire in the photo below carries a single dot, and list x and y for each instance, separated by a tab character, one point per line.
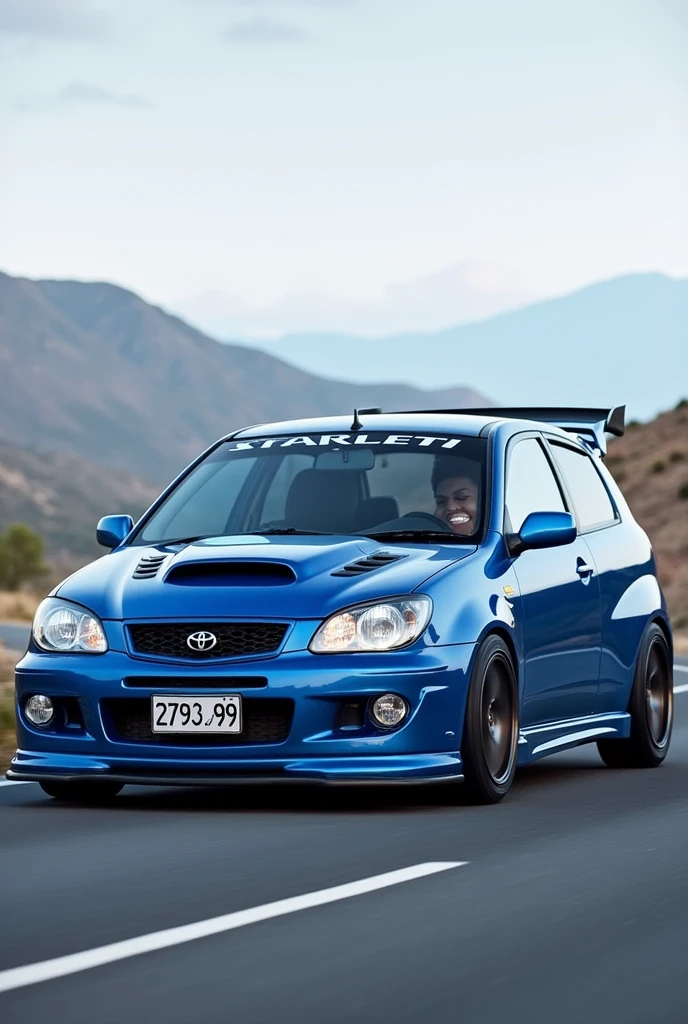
490	733
651	708
82	792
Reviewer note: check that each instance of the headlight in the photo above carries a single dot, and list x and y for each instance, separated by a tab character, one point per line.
62	626
382	626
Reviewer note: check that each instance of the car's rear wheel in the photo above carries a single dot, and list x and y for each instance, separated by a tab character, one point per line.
82	792
490	733
651	708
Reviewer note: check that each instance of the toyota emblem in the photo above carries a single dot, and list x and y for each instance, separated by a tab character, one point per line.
201	641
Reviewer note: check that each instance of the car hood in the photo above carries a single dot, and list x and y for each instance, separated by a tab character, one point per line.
265	577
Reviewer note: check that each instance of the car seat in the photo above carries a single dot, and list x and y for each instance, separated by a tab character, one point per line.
373	511
322	500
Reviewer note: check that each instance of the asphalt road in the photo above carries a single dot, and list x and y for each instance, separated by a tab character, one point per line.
14	637
571	904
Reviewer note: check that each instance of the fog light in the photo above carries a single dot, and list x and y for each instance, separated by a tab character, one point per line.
39	709
389	710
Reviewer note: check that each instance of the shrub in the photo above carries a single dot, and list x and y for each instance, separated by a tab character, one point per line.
683	492
677	457
682	404
21	556
658	466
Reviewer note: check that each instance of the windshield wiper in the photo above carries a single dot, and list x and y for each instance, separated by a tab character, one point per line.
183	540
240	533
284	530
436	535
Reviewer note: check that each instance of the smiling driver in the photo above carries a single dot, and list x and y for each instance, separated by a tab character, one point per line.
455	484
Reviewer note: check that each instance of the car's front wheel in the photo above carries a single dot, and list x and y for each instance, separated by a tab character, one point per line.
490	732
651	708
82	792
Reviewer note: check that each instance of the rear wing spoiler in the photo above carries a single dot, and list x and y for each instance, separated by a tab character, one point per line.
590	425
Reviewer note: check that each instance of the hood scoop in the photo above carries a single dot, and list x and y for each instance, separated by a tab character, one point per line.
148	567
363	565
231	574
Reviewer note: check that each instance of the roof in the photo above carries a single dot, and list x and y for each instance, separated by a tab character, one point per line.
393	423
589	424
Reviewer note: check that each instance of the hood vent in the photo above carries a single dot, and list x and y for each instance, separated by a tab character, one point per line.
375	561
231	574
148	567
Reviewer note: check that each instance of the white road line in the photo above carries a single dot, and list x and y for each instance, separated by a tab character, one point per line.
11	782
31	974
680	668
681	689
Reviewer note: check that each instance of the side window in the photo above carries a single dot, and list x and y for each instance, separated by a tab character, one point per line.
530	484
591	502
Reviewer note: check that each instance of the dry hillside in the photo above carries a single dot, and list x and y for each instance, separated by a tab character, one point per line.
650	464
63	496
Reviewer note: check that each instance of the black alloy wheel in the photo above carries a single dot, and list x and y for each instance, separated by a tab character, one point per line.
651	708
490	734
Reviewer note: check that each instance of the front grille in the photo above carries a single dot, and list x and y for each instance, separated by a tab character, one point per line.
236	639
264	721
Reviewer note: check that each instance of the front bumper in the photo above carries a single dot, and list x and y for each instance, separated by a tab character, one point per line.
316	748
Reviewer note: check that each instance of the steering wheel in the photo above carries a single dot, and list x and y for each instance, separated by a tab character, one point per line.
436	522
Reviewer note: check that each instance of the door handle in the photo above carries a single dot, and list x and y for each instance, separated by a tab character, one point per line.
584	571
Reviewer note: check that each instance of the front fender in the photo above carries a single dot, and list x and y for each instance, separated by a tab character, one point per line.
477	597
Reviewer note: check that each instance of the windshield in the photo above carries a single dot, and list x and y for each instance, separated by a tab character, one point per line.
399	486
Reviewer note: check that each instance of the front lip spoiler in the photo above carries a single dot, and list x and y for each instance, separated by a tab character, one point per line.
224	780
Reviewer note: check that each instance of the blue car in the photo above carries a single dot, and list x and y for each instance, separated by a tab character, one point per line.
415	597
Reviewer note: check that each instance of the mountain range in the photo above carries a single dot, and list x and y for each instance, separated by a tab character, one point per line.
623	341
92	370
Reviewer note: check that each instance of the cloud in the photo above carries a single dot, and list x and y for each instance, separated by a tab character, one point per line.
457	294
294	3
265	31
82	92
51	18
257	4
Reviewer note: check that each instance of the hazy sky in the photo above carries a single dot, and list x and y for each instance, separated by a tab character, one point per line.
275	164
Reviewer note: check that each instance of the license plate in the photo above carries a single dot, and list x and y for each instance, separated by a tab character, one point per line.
176	713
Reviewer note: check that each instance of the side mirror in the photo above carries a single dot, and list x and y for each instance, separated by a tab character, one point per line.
544	530
112	530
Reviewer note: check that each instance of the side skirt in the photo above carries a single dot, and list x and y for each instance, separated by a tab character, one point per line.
541	740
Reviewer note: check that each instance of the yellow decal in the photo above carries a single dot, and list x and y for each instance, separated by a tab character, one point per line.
509	591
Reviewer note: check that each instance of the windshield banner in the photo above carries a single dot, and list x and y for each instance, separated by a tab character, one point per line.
326	440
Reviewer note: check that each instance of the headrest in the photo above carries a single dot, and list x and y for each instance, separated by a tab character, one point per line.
322	500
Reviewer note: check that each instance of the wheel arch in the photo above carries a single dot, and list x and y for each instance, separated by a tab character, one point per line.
496	630
659	620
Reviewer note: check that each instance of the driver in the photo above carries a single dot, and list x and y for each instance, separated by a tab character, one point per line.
455	485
